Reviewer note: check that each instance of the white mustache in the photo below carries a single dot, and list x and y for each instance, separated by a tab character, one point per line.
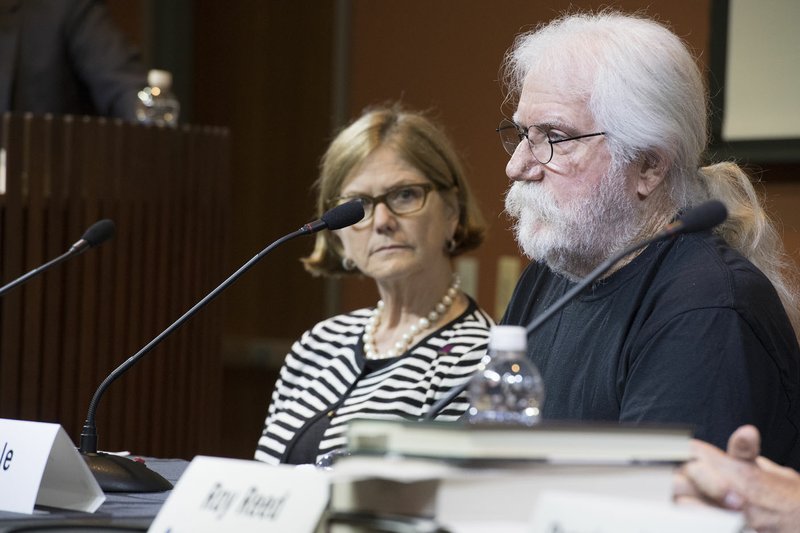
532	200
573	236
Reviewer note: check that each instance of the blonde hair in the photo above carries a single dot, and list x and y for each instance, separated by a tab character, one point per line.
421	144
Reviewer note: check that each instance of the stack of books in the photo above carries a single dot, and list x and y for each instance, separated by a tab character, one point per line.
465	477
552	442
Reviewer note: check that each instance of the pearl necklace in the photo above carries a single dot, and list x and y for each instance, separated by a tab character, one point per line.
401	346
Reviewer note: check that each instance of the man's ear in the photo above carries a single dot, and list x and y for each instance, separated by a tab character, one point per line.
652	171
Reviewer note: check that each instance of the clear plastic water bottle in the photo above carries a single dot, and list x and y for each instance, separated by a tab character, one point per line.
507	388
157	105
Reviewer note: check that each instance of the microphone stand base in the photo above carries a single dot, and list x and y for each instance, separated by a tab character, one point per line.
120	474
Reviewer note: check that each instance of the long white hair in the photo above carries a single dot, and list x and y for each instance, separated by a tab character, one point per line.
644	88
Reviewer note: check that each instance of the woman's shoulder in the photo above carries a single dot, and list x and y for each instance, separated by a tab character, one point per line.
340	329
351	321
474	323
335	335
475	316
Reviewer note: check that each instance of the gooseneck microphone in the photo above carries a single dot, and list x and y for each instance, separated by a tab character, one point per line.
97	234
119	474
703	217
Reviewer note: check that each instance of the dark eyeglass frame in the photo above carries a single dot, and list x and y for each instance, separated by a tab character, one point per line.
522	132
383	199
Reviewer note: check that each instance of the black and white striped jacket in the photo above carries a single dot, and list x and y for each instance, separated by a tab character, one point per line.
326	374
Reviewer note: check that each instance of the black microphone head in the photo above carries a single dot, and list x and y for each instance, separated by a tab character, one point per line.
99	232
703	217
343	215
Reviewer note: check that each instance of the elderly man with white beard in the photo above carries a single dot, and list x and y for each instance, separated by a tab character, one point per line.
606	142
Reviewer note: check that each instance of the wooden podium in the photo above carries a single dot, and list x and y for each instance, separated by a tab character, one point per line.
62	333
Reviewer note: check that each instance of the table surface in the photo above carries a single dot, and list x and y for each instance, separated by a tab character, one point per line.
120	511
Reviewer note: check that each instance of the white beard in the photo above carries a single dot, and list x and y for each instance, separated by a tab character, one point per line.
572	239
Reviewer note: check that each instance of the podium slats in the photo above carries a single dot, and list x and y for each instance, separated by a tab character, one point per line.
33	184
63	333
12	265
52	311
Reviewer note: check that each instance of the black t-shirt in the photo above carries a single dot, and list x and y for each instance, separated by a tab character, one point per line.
688	332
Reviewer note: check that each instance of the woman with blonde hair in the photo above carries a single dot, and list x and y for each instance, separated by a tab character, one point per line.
424	335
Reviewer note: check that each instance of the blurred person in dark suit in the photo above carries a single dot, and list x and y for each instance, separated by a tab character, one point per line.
66	57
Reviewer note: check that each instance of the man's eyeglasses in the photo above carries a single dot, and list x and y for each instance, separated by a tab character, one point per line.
402	200
540	141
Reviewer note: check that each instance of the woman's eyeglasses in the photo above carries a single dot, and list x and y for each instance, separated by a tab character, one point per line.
401	200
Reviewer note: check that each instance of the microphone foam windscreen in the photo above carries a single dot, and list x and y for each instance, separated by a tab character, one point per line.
704	216
99	232
343	215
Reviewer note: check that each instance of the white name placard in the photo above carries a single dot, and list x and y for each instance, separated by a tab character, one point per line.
40	465
557	511
217	494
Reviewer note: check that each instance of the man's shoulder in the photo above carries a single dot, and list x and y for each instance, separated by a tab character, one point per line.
704	264
536	284
537	273
701	272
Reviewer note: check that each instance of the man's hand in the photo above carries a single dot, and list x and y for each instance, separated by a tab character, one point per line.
768	494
